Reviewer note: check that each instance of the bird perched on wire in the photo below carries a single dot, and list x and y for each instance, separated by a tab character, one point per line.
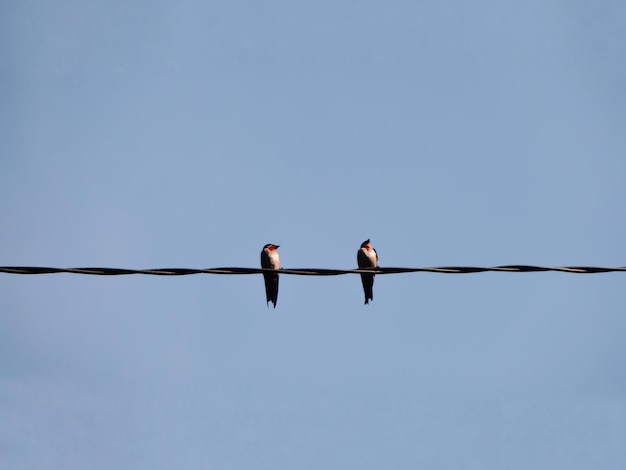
367	257
270	260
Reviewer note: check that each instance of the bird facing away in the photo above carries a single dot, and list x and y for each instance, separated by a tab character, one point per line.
270	260
367	257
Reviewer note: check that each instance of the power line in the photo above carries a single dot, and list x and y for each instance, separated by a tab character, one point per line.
307	271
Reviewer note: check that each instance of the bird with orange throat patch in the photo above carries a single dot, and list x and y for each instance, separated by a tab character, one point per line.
270	260
367	257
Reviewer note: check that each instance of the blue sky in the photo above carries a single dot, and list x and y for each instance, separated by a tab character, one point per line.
189	134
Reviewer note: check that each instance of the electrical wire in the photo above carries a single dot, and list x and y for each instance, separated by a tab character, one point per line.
307	271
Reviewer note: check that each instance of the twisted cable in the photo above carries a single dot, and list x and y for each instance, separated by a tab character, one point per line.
514	268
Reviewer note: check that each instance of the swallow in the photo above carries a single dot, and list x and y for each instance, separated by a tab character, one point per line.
367	257
270	260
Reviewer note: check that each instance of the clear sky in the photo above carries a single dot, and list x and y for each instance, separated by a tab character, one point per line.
149	134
